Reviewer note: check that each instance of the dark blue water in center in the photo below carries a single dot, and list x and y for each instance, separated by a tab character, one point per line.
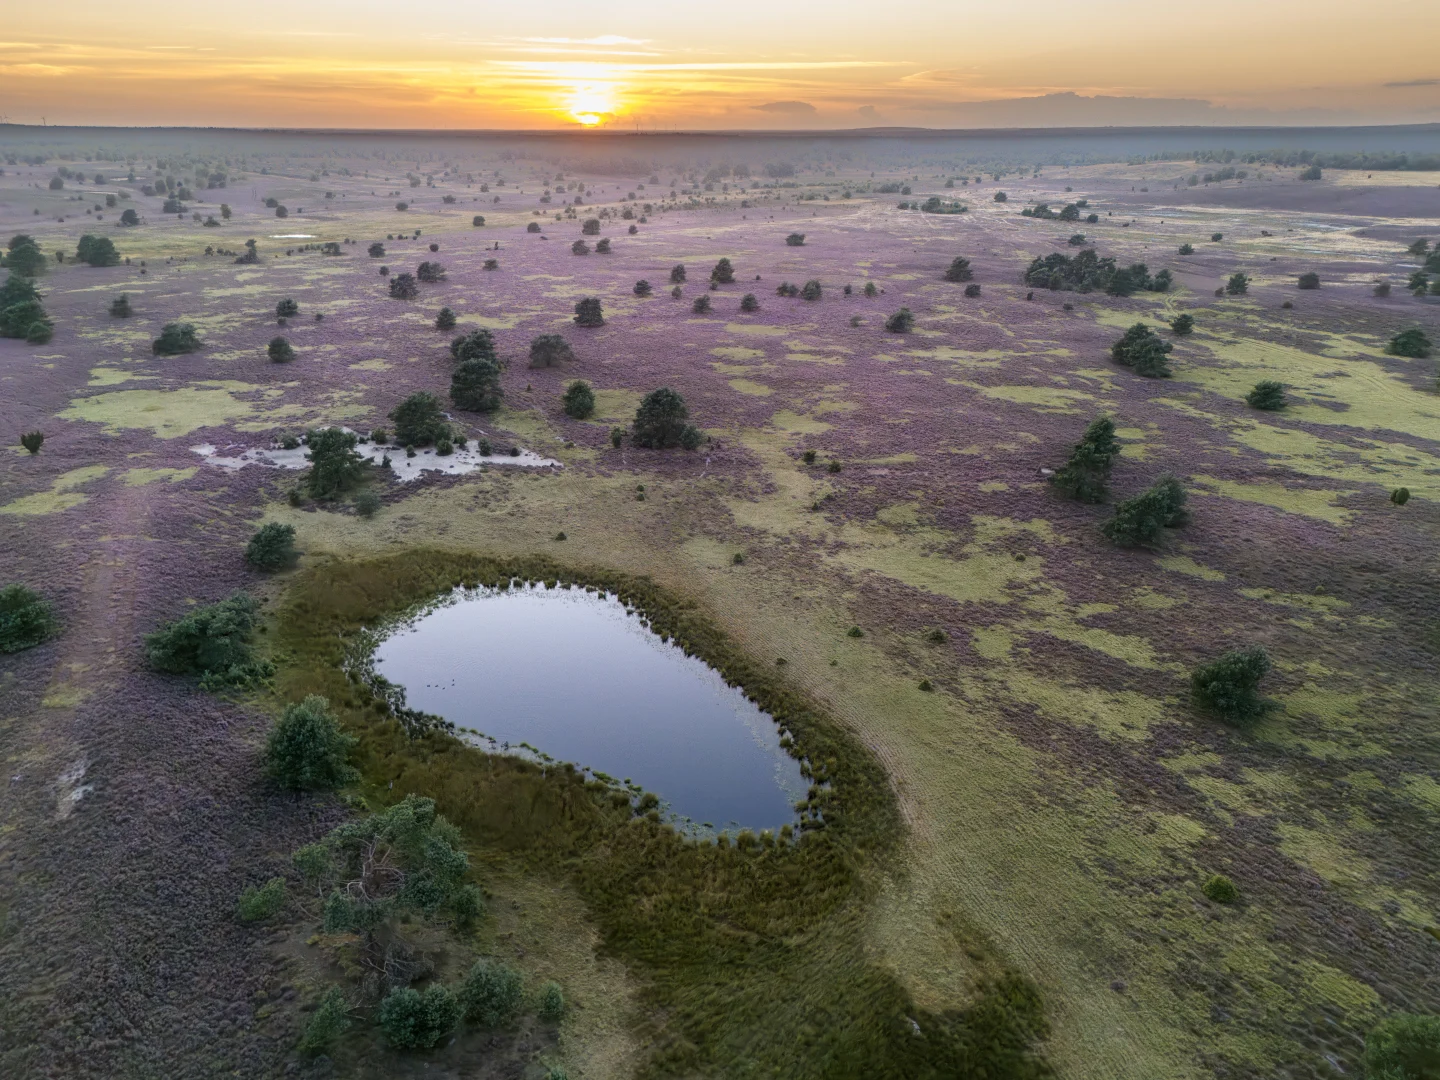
575	676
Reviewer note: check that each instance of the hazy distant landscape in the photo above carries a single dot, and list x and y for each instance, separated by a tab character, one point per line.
1064	504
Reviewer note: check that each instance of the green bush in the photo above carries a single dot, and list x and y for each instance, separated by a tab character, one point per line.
579	400
1309	281
1404	1047
1227	686
550	1005
811	290
334	465
1143	352
1215	238
287	309
176	338
547	350
724	273
25	619
677	274
579	247
476	345
24	257
795	239
491	994
120	307
1187	249
272	547
367	503
467	903
330	1020
642	288
870	289
212	642
414	1020
591	227
533	227
478	221
97	251
1183	324
1084	475
403	287
430	272
475	387
376	250
280	350
588	313
1138	520
662	421
419	419
748	302
1412	342
701	305
1400	496
32	441
973	289
786	289
902	322
1220	889
445	320
1238	284
306	749
39	332
1267	395
265	902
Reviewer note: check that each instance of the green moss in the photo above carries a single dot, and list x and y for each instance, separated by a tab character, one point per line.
61	496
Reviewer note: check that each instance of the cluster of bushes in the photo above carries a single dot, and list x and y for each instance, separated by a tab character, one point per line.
588	313
21	313
959	269
1138	520
23	256
1228	686
1070	212
1088	272
420	420
1085	475
663	421
578	400
213	642
176	338
1413	342
403	287
97	251
1141	350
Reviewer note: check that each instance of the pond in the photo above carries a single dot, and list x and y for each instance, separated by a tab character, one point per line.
574	676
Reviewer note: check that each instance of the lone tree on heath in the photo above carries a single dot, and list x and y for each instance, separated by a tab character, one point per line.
959	270
1238	284
1084	475
476	345
272	547
403	287
280	351
176	338
811	290
335	467
723	274
25	619
1308	281
579	400
32	441
902	322
642	288
287	309
475	386
591	227
579	247
1412	342
97	251
120	307
748	302
795	239
548	350
588	312
701	306
1228	685
306	749
1267	395
663	421
212	642
430	272
1141	350
1183	324
445	320
677	274
419	420
1138	521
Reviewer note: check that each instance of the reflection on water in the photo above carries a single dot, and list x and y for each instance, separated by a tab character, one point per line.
574	676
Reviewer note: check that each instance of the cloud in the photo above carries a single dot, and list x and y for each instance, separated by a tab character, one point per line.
603	39
869	114
787	108
1415	82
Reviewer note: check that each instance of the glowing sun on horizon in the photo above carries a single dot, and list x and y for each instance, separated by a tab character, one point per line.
591	106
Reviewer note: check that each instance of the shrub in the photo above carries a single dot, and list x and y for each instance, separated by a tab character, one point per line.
748	302
959	270
579	400
475	386
56	183
478	221
129	217
1403	1047
870	289
265	902
280	351
1312	173
662	420
419	420
330	1020
367	503
902	322
1000	196
550	1005
491	994
306	750
786	289
1382	288
1308	281
1400	496
811	290
533	227
97	251
589	313
1183	324
445	320
334	464
1220	889
677	274
272	547
547	350
176	338
403	287
377	250
25	619
1077	240
414	1020
23	256
287	309
1228	685
642	288
402	206
1187	249
972	290
701	306
795	239
476	345
591	227
1215	238
724	273
120	307
1138	520
1083	477
430	272
1267	395
32	441
1141	350
616	434
1413	343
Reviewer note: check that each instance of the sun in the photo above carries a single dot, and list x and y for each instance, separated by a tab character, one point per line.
591	105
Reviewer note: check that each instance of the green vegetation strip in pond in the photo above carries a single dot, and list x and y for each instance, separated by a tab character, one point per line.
752	954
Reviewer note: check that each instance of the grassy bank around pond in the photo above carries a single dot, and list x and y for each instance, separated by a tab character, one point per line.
751	955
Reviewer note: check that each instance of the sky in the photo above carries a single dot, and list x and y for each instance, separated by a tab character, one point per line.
725	65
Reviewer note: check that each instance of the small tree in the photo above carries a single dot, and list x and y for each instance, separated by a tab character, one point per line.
959	270
579	400
430	272
1412	342
1238	284
419	420
330	1020
1000	196
445	320
129	217
1187	249
403	287
795	239
120	307
32	441
377	250
212	641
25	619
1418	248
259	904
1403	1047
97	251
414	1020
272	547
550	1004
1183	324
306	750
475	386
1312	173
478	221
533	227
870	289
723	274
1267	395
1138	521
1309	281
476	345
548	350
491	994
642	288
591	227
1215	238
1228	685
1220	889
589	313
811	290
1084	475
280	350
1142	351
602	246
287	309
701	306
748	302
24	258
662	421
972	290
176	338
902	322
677	274
579	247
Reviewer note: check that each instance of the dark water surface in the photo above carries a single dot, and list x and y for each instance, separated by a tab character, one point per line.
575	676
